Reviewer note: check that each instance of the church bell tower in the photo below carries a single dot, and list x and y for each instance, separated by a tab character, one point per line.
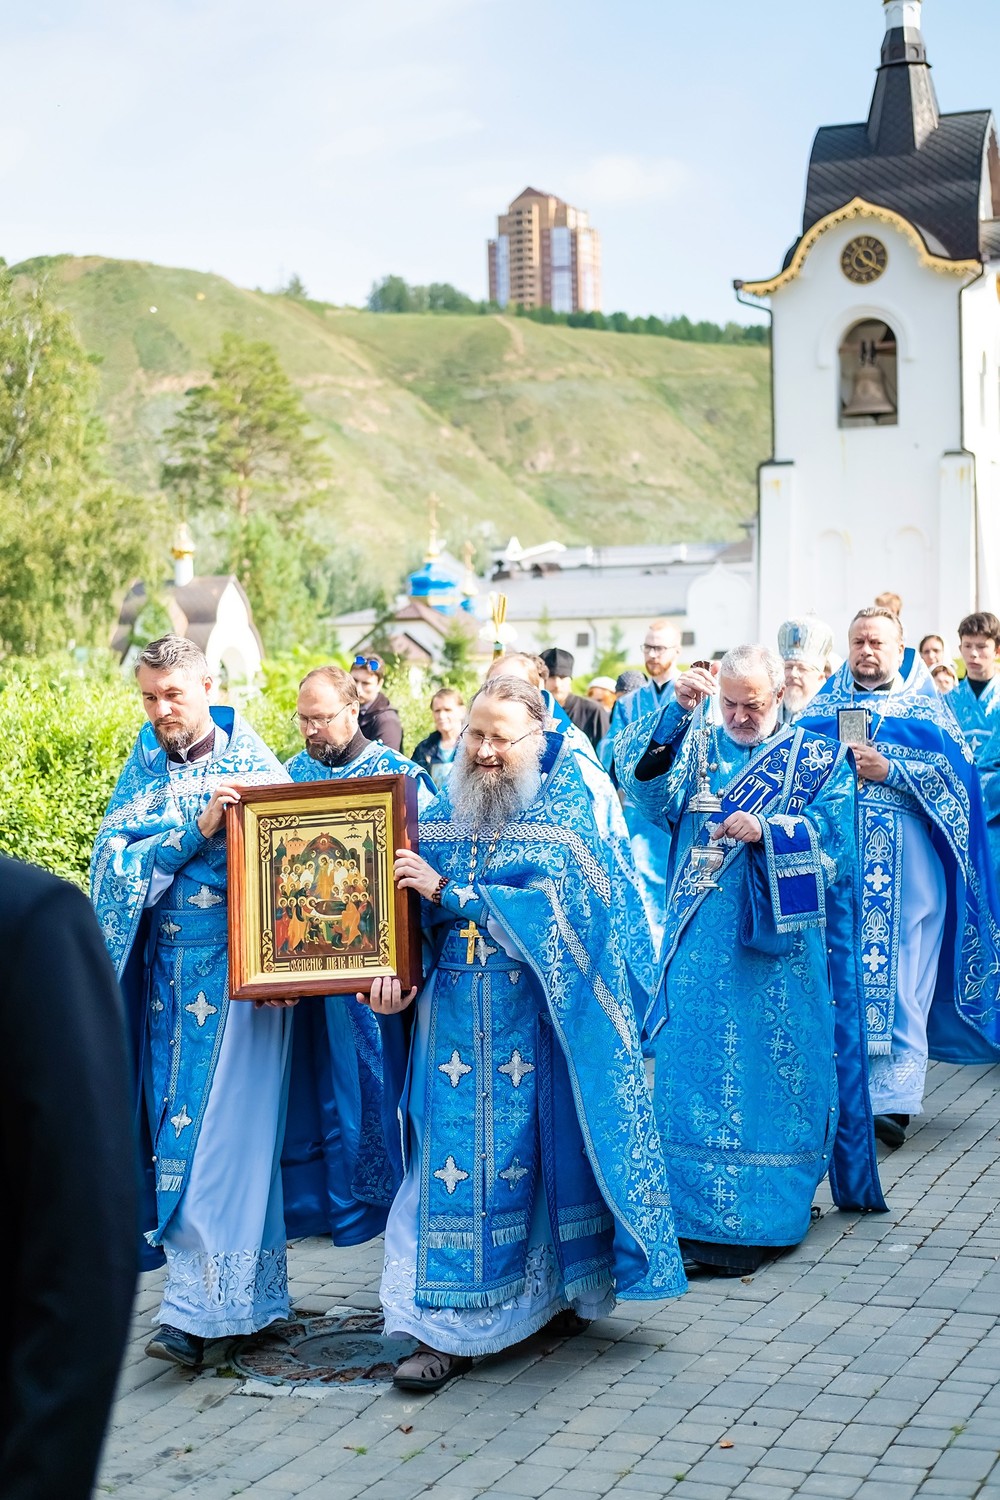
886	364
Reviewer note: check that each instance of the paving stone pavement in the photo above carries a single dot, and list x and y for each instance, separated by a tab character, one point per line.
866	1364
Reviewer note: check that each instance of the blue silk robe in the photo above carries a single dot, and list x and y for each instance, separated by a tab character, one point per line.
341	1161
650	843
535	1178
213	1199
979	720
932	778
761	1087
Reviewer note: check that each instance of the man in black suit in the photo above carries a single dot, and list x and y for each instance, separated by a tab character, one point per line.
585	713
69	1241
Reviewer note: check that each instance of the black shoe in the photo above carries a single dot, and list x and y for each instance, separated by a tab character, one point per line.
727	1261
566	1325
702	1268
179	1348
891	1129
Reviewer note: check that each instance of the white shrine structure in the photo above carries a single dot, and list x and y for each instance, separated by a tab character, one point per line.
886	364
210	609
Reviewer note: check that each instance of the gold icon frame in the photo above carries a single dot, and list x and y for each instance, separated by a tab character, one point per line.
292	934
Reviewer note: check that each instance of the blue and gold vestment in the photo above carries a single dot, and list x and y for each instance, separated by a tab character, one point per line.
535	1176
341	1161
760	1063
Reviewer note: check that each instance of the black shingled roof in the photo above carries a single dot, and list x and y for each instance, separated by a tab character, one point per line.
936	187
907	157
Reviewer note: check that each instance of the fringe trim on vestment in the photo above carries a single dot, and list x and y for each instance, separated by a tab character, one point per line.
597	1281
583	1227
511	1235
441	1240
490	1297
879	1046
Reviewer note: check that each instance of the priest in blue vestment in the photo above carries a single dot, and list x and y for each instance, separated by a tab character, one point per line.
607	808
975	702
661	647
531	669
758	1030
211	1074
804	645
341	1161
928	941
535	1187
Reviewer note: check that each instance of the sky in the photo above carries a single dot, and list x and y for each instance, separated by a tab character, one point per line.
343	140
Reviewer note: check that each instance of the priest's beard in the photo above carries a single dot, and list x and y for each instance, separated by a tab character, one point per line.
750	735
328	755
872	677
173	736
796	699
490	796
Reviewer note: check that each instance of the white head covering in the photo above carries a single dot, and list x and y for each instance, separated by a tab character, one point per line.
807	639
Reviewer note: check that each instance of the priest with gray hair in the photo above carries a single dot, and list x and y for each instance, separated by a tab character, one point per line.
804	645
535	1191
758	1031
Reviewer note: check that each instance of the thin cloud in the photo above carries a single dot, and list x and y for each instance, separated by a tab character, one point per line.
620	178
405	134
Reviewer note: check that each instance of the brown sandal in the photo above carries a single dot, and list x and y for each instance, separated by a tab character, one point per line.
429	1370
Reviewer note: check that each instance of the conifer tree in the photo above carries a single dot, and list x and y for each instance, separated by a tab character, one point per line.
240	448
70	538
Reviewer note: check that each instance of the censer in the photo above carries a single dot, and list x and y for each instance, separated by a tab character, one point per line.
705	859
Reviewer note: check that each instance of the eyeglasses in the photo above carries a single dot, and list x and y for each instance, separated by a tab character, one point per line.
320	721
371	662
656	650
477	740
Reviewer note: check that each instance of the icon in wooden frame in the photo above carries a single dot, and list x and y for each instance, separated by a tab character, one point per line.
313	909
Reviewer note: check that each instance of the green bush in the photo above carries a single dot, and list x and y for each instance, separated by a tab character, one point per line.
66	728
271	710
413	706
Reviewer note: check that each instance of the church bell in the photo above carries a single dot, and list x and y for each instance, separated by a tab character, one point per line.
869	397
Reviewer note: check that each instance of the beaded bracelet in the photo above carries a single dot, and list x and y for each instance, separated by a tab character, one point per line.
435	895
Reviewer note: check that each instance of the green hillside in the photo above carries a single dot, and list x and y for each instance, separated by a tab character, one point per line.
518	427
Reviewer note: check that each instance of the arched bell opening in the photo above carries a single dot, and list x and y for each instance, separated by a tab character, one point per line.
868	376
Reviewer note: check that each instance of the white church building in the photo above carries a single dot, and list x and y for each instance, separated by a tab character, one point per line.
886	364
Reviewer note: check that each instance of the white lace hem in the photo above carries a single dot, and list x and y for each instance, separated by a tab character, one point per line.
485	1330
896	1083
234	1292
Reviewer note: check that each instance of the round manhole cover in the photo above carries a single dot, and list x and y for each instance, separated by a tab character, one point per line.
349	1350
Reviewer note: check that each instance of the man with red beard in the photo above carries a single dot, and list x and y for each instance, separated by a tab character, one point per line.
535	1188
